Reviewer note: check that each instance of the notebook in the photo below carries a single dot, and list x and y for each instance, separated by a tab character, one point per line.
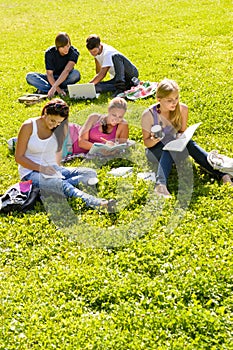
121	171
104	149
82	91
179	144
150	176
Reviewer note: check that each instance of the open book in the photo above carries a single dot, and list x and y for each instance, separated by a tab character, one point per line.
104	149
179	144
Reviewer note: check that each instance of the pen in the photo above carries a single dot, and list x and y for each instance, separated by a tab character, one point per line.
103	139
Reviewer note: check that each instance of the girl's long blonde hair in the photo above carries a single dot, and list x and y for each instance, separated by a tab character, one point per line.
117	102
164	88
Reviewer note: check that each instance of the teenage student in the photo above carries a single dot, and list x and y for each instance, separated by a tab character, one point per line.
172	116
109	60
60	60
38	149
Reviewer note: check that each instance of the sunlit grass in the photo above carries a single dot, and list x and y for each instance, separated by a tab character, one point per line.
164	278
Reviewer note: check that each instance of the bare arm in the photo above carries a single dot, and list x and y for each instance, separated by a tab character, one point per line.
21	147
146	123
97	66
101	73
55	83
59	153
59	157
122	132
84	132
184	117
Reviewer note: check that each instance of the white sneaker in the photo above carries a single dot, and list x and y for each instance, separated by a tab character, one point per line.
92	181
162	191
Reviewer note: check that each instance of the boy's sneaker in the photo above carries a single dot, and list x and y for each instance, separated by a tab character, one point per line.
162	191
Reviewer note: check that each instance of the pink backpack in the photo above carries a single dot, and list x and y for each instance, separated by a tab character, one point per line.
73	136
70	146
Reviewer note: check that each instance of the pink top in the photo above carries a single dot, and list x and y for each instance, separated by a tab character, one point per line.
95	136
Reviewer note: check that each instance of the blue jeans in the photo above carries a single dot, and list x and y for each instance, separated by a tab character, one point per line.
66	185
124	72
165	159
40	81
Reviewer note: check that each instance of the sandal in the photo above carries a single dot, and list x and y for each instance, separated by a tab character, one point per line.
31	99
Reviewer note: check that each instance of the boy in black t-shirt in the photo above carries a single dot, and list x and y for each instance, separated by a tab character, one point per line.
59	63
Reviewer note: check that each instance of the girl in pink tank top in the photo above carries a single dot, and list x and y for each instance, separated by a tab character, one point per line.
108	128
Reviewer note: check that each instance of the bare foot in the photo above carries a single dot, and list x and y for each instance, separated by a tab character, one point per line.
227	179
162	191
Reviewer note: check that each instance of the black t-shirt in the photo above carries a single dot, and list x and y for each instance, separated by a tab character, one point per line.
56	62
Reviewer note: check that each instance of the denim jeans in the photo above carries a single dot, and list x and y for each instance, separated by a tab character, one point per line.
165	159
40	81
124	72
66	185
200	156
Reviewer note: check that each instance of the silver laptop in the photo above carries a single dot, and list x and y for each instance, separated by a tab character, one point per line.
82	91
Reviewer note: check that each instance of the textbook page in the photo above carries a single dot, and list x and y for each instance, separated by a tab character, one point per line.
101	148
179	144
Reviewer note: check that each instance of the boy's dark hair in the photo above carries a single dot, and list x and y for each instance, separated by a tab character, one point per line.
92	41
62	39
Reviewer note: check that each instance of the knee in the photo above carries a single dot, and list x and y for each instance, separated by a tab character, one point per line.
90	172
29	77
116	58
75	76
151	157
191	145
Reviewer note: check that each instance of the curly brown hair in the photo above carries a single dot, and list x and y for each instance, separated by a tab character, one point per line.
59	107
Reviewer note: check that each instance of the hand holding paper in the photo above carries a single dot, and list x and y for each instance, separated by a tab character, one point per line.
180	143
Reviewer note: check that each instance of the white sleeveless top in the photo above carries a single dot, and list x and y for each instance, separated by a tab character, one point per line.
40	151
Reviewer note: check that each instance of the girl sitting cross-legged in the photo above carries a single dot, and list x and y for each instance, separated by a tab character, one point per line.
38	149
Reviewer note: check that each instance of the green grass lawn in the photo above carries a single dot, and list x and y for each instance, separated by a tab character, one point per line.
154	275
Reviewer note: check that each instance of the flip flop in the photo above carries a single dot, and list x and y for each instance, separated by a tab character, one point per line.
30	99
